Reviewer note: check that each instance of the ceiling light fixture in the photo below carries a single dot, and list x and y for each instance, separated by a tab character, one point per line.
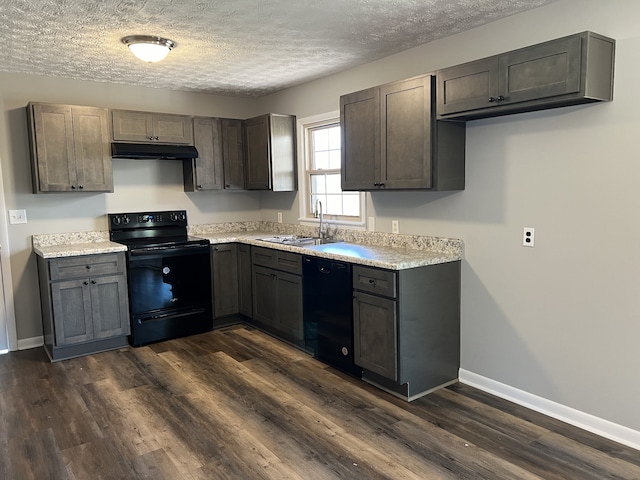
149	48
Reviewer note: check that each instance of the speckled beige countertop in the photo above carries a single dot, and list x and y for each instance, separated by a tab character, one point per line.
391	251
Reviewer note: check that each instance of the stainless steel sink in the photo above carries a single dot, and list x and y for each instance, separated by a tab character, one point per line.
296	241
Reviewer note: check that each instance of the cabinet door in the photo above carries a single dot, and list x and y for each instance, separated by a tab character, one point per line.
54	167
264	296
405	141
541	71
175	129
225	280
360	138
289	288
205	172
376	334
92	149
469	86
233	154
109	306
244	280
258	171
71	304
131	126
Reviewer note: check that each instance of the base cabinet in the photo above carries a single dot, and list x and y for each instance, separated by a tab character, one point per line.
84	304
224	269
245	290
277	293
407	327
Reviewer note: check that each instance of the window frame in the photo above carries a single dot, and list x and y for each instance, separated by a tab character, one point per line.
304	126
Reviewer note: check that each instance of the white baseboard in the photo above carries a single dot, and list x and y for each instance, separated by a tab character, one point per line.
33	342
599	426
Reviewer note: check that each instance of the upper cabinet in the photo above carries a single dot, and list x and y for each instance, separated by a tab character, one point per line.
70	148
220	162
392	141
144	127
270	142
568	71
233	153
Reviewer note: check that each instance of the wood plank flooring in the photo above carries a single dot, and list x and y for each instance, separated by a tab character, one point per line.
237	404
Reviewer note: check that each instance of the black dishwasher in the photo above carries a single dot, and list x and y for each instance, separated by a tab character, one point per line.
328	312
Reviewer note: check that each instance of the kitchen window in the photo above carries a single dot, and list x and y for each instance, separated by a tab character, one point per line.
321	145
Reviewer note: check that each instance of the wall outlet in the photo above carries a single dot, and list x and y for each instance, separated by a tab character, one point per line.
371	224
528	237
279	217
394	226
17	216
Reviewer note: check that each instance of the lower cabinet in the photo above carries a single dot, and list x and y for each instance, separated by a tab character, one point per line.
245	290
224	267
277	293
84	304
407	327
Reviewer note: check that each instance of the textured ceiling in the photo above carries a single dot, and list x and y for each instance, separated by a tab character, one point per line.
229	47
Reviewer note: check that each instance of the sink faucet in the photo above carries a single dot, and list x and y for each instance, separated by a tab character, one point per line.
319	213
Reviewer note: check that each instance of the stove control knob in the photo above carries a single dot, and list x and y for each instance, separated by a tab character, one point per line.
116	220
173	216
182	216
125	219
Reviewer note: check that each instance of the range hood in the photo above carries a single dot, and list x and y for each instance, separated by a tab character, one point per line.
140	151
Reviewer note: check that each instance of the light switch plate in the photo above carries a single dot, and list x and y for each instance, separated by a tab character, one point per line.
17	216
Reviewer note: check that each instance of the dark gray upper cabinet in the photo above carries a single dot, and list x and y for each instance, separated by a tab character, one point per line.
220	162
270	142
145	127
392	141
233	153
70	148
206	171
568	71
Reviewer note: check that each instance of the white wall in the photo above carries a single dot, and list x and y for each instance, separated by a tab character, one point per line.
139	185
561	320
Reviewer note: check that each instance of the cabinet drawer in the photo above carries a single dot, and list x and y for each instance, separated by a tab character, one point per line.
277	259
376	281
85	266
263	256
289	262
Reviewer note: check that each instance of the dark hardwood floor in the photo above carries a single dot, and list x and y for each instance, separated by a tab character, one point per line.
238	404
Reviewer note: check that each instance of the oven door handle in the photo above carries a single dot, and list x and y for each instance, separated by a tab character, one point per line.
164	316
169	250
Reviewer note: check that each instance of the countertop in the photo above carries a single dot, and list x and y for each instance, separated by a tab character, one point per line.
390	251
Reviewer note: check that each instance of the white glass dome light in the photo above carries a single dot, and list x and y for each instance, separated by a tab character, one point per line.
149	48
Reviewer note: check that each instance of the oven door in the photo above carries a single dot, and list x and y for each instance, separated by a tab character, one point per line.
171	279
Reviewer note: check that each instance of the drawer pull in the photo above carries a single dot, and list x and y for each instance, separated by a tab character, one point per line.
372	281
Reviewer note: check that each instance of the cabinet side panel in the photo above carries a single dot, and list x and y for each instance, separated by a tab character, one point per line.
449	155
430	325
600	58
283	153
